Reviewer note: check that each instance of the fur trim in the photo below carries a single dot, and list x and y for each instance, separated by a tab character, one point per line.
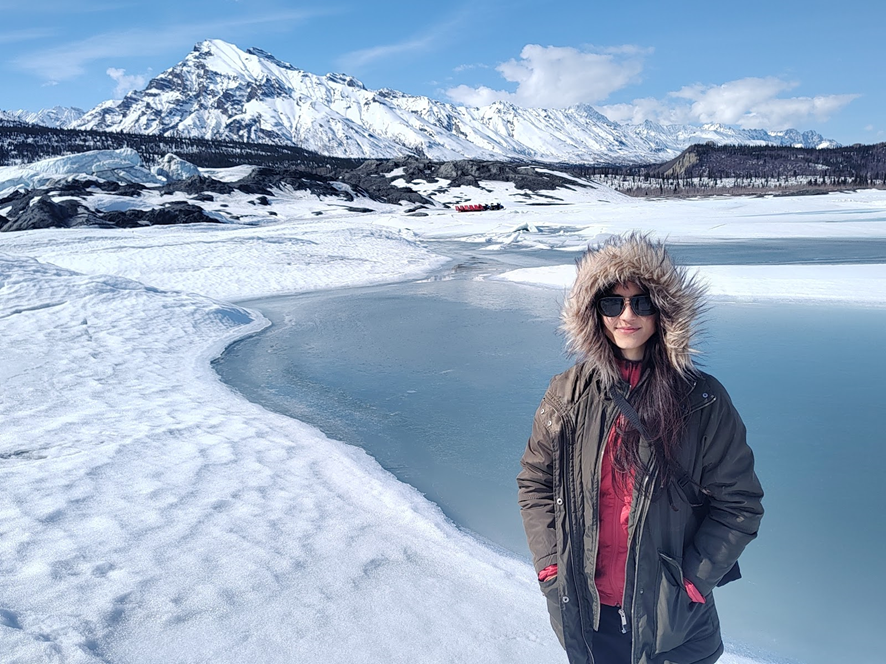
633	257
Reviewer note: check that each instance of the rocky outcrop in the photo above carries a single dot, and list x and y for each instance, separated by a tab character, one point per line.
196	185
463	173
37	209
170	214
42	212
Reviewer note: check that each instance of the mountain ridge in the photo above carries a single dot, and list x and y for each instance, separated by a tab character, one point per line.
221	92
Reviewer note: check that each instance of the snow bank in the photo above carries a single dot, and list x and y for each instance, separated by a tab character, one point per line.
234	262
857	284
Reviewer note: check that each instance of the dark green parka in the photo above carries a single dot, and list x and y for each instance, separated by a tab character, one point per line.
559	482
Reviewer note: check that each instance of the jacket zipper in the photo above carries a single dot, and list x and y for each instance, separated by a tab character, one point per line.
567	468
641	521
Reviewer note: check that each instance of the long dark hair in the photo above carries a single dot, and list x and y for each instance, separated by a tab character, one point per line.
661	399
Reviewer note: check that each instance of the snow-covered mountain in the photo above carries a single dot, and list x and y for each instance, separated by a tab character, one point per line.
57	116
6	118
221	92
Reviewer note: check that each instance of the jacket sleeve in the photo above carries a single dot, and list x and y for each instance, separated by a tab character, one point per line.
734	492
535	484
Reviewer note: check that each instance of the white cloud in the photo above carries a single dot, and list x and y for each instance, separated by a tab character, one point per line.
479	96
25	35
556	76
476	65
356	59
125	83
420	43
751	103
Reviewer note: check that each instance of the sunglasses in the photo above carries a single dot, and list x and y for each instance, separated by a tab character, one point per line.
612	305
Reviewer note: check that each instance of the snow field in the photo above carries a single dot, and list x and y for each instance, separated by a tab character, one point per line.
231	261
860	214
151	515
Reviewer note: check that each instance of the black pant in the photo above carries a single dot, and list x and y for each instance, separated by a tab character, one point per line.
610	645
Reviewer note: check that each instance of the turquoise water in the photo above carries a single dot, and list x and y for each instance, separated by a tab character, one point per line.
439	382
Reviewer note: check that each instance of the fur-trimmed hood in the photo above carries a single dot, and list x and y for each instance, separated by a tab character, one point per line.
633	257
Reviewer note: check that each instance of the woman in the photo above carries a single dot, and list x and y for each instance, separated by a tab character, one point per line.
631	532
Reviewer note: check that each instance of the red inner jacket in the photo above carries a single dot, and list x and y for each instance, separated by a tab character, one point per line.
616	495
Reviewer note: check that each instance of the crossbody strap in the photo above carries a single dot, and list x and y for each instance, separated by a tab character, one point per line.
690	489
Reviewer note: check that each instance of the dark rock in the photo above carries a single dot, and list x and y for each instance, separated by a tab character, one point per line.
14	196
198	184
173	213
44	213
262	200
464	181
263	180
381	189
203	198
253	188
129	189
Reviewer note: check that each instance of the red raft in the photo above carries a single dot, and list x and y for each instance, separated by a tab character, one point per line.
478	207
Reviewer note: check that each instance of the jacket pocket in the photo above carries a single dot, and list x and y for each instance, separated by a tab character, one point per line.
551	591
678	619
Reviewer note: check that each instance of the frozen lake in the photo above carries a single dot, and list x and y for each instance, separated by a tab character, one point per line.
439	379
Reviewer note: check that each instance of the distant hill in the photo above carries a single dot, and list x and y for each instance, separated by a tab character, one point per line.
745	161
22	143
745	169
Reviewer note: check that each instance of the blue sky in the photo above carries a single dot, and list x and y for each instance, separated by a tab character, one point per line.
774	64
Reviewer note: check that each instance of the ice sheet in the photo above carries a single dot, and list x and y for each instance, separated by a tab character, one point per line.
123	165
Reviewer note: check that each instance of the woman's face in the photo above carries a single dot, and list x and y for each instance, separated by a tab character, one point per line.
629	331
